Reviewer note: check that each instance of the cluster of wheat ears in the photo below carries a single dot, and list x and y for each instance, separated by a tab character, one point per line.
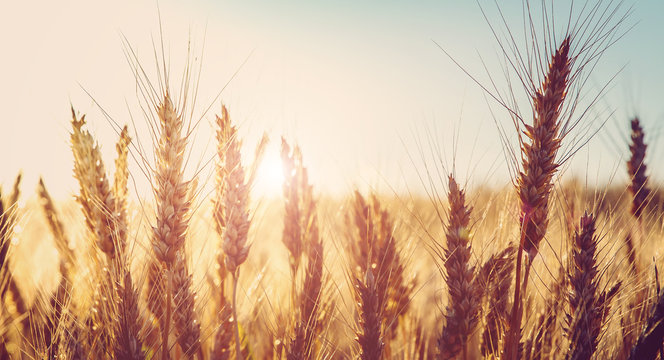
109	302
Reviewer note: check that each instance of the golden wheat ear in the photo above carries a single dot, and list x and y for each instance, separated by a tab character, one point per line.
376	275
129	343
535	181
464	294
234	195
368	295
105	210
588	308
301	236
635	317
95	197
170	273
292	236
636	169
496	275
231	206
539	161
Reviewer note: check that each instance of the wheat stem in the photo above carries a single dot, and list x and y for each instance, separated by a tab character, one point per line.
165	331
238	345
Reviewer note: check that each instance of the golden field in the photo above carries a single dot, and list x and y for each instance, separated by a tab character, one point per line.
544	267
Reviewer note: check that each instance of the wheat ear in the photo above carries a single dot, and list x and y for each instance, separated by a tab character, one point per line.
294	220
496	273
369	296
96	198
534	183
129	343
98	205
301	233
173	199
585	321
377	276
232	205
464	294
636	168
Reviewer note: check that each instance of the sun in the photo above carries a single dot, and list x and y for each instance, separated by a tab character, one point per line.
270	175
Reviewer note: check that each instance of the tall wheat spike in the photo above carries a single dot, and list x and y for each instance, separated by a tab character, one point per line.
584	319
234	192
301	235
96	198
534	183
169	234
464	294
634	318
104	225
370	296
129	344
295	221
129	327
232	205
377	275
106	216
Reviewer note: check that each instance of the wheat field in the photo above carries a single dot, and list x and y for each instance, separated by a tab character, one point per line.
543	267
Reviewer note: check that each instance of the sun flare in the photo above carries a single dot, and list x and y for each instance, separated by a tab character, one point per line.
269	175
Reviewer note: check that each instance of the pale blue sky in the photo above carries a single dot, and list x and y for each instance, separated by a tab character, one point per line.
356	83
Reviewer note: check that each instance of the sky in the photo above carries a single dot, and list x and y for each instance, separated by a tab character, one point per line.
362	86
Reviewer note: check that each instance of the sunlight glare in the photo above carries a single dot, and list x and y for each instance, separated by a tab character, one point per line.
269	176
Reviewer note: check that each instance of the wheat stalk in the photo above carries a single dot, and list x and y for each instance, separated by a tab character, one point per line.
534	183
62	242
67	262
